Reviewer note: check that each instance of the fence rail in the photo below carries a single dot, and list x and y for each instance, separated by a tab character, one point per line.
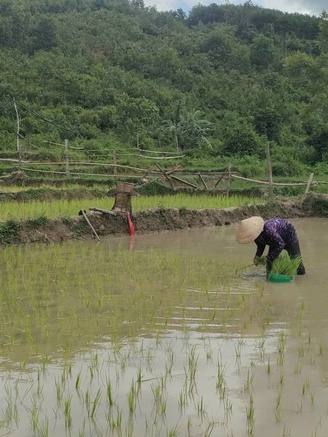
175	177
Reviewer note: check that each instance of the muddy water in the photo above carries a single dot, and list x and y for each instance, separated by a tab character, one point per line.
203	358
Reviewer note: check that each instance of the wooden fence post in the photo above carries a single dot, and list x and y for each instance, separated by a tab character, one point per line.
67	158
202	179
19	148
268	158
229	180
114	162
309	182
220	178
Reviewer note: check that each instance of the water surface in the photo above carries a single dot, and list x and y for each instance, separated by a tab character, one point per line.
171	334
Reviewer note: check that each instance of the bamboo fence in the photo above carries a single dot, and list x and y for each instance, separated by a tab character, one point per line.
175	177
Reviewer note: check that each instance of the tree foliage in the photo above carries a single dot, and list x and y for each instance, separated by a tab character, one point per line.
114	70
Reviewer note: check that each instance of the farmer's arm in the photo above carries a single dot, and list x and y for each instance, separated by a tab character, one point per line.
260	244
260	249
276	246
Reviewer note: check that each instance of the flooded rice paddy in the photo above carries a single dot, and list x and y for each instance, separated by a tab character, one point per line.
163	335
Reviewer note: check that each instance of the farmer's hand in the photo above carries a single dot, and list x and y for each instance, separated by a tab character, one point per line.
256	260
259	260
263	260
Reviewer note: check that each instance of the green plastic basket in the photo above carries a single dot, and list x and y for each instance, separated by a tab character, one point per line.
276	277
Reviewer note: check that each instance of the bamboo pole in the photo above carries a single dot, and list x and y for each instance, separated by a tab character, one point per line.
202	179
220	179
281	184
88	221
103	211
184	182
165	175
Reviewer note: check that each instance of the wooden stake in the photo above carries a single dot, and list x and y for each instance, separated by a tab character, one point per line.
114	162
220	178
268	158
229	180
165	175
19	149
184	182
202	179
67	158
92	228
309	182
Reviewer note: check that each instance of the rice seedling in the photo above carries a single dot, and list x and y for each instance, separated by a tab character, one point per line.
34	415
132	398
109	392
161	320
192	365
78	381
68	411
249	382
200	406
277	411
95	403
221	383
43	430
262	349
39	211
250	416
182	400
173	432
286	432
11	412
227	409
298	368
281	348
284	265
305	387
312	398
209	429
238	349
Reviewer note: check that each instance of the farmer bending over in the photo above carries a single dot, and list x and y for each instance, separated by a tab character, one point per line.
278	234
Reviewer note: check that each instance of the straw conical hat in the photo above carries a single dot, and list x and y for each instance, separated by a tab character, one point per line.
249	229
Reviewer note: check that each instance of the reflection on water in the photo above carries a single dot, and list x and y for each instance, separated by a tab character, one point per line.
171	334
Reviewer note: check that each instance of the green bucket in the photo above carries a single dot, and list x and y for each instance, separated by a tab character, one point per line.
277	277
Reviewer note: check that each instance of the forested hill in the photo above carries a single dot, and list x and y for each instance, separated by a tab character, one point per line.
114	74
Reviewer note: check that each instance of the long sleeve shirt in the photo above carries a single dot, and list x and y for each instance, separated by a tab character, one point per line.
277	234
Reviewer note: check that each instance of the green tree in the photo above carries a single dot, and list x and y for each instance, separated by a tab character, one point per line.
263	52
323	32
238	136
188	129
44	35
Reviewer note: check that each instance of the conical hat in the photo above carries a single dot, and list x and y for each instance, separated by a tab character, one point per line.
249	229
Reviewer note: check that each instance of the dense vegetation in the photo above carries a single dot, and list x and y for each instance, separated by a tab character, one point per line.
215	84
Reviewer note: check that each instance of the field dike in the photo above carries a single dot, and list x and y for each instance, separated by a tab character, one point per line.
154	220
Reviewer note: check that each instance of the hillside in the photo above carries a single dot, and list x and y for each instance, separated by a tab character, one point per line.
214	85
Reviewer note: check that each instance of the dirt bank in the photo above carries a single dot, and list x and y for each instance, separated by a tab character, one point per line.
155	220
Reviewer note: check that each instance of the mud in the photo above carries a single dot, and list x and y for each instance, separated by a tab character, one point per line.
161	220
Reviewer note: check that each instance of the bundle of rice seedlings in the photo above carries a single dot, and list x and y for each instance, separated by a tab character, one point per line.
284	265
